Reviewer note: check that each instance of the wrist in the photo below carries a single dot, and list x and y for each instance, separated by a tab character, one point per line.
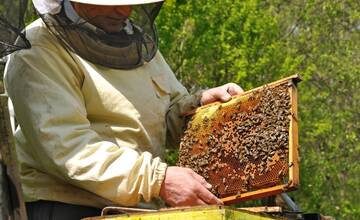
161	172
198	96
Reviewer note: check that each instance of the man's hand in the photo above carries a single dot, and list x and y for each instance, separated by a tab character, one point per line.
183	187
221	93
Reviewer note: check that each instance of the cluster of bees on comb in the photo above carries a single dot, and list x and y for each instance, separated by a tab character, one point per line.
242	146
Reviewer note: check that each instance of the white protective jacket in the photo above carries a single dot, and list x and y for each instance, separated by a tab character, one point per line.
88	134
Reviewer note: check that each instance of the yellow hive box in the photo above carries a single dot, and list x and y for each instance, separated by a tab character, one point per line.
197	213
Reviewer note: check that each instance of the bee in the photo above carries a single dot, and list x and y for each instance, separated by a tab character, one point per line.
280	173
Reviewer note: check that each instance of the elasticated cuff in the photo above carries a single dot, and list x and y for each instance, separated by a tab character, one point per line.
197	99
160	176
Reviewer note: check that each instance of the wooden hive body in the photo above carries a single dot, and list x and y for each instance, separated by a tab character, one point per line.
188	213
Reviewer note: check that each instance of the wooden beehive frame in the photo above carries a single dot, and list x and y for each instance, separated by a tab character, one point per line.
293	172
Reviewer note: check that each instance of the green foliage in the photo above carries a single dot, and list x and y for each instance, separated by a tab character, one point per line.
30	14
218	41
15	10
253	42
172	156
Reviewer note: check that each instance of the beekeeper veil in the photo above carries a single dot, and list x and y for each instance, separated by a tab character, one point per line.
134	43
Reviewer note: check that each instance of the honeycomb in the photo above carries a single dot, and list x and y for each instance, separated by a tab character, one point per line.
242	145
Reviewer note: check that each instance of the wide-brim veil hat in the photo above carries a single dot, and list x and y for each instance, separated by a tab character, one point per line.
116	2
54	6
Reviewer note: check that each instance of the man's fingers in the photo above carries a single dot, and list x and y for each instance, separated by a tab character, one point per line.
225	97
208	197
201	180
234	89
229	90
183	187
200	202
221	93
203	193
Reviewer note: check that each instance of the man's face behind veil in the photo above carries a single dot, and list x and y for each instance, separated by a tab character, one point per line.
111	19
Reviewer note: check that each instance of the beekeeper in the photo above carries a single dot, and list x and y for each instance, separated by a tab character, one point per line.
96	104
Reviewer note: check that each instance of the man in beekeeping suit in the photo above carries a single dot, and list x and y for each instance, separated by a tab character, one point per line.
96	105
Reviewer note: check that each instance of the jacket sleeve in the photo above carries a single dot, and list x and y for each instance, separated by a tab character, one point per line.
50	109
180	102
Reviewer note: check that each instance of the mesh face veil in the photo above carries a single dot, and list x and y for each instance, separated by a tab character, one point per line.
130	47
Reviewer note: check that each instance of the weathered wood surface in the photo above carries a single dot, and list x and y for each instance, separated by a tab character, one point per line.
12	204
293	138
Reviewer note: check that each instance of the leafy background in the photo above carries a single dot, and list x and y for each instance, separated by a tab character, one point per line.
253	42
